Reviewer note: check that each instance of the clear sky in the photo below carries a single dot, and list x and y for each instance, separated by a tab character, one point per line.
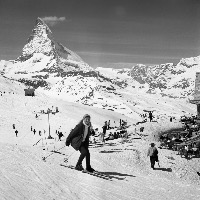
107	31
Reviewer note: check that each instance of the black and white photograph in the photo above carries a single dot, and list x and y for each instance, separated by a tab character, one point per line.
99	99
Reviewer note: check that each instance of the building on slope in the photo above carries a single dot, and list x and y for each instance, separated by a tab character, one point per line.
196	99
29	92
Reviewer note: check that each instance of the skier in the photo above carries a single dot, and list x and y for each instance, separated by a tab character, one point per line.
79	140
108	125
60	135
104	127
150	116
16	132
153	153
96	133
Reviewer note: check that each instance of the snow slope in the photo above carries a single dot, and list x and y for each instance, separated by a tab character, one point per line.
25	175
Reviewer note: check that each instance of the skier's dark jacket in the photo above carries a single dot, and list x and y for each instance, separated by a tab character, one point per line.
76	136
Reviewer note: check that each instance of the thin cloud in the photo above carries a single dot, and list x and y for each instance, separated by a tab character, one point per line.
52	21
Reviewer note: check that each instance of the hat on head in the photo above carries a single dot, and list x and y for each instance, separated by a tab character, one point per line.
86	115
152	144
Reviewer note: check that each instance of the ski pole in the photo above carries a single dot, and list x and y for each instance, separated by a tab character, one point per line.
66	159
44	158
37	142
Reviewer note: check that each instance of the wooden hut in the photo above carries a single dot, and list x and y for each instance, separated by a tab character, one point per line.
29	92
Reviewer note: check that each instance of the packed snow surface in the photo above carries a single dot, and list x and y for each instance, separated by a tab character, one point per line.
30	170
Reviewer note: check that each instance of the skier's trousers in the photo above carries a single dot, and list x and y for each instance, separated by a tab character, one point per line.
84	154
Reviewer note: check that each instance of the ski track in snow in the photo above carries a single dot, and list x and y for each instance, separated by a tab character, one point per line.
24	175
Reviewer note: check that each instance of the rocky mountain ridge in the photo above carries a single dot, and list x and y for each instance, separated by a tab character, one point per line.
176	81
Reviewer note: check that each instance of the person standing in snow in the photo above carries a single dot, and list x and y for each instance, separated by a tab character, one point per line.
108	125
79	140
104	127
60	135
16	132
153	154
150	116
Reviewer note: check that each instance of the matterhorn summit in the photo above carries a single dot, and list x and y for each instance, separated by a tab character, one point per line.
43	53
42	41
39	42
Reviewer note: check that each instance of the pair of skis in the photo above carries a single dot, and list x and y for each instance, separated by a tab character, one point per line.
94	173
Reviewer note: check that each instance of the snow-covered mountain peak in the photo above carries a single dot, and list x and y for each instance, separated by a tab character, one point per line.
43	52
41	29
40	21
40	41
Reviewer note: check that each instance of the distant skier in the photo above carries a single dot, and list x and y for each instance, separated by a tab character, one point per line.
79	140
150	116
108	125
13	126
96	133
16	132
60	135
153	154
104	127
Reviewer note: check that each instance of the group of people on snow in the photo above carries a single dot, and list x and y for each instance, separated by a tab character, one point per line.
186	141
147	117
79	139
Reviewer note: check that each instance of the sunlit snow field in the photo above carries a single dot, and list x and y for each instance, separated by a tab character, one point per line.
26	175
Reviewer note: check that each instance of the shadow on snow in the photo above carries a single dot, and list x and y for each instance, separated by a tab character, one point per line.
116	175
164	169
